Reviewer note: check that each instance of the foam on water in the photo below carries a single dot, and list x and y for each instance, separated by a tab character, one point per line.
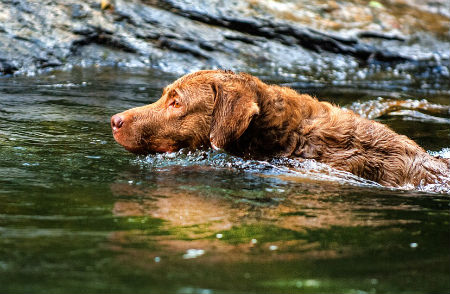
443	186
290	168
309	169
65	85
444	153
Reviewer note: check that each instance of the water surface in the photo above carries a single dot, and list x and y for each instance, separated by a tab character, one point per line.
80	214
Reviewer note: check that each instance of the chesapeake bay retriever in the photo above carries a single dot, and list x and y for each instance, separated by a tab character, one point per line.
244	116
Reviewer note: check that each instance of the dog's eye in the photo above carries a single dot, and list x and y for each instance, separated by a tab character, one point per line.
175	104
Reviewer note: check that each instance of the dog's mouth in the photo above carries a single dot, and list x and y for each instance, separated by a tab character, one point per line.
115	130
146	147
129	147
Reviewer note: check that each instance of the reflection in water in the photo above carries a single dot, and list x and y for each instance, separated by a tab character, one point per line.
80	214
275	224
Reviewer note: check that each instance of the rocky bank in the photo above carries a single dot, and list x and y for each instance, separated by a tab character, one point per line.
399	43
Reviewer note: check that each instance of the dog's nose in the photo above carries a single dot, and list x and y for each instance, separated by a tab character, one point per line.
116	122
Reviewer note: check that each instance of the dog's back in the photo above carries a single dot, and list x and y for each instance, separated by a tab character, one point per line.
299	126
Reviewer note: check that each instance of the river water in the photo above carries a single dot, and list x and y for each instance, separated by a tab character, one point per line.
79	214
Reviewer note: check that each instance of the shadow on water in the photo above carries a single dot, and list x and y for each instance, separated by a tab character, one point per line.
78	213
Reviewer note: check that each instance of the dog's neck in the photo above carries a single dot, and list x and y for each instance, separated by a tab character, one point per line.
276	130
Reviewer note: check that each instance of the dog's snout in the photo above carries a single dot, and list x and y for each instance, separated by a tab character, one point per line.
116	122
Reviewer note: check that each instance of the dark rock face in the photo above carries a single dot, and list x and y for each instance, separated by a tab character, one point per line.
7	67
321	41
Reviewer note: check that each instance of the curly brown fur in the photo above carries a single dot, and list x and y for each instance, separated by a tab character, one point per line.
244	116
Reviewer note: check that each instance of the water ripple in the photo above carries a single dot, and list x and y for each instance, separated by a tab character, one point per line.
421	109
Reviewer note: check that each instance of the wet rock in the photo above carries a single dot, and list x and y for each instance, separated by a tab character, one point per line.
319	41
101	36
284	32
7	67
78	11
184	47
379	35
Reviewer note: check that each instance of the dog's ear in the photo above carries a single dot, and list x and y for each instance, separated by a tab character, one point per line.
235	104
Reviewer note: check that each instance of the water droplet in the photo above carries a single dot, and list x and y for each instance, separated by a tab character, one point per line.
193	253
30	164
312	283
93	156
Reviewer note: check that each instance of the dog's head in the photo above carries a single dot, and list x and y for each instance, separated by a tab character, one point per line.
202	109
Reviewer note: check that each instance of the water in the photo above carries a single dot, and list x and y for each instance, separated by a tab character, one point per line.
80	214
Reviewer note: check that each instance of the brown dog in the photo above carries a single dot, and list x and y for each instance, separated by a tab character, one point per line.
244	116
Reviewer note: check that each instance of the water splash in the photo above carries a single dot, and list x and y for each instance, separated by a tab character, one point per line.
67	85
443	186
420	109
287	168
444	153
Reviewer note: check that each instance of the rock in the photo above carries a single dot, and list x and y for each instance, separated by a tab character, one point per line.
262	37
7	67
78	11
